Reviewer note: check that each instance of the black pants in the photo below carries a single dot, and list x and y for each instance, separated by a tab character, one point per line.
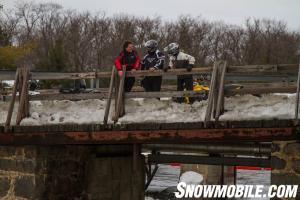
152	83
129	82
185	82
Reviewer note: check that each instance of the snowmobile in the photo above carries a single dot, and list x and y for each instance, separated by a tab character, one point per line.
79	87
197	86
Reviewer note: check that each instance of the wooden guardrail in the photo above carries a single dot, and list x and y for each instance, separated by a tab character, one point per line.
255	79
258	70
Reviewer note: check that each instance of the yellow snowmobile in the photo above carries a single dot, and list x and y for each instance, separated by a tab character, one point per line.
198	87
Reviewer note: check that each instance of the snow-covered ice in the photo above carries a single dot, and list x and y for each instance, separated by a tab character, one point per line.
246	107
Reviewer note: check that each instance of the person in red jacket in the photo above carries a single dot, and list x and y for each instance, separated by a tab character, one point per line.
130	58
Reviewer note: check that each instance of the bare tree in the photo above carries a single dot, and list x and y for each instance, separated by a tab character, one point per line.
66	40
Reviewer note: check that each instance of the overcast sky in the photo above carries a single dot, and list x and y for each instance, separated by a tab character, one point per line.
230	11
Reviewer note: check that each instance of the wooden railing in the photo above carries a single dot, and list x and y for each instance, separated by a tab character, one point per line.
254	79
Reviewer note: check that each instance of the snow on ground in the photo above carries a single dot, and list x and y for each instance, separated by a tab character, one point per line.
246	107
191	178
9	83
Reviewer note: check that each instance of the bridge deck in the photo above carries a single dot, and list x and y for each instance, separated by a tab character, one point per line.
246	131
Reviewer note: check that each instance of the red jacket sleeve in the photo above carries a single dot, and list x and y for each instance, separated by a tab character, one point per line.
137	62
118	62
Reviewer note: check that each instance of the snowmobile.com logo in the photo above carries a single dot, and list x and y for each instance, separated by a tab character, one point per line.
235	191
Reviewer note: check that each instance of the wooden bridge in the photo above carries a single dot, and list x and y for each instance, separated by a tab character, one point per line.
256	79
273	143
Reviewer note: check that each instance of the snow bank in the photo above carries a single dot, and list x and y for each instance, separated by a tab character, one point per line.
149	198
9	82
191	178
270	106
247	107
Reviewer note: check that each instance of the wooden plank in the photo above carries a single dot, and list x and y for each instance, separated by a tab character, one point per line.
73	97
12	102
297	97
211	93
125	136
230	91
122	103
110	93
288	89
286	68
26	106
272	123
21	111
220	101
120	95
20	108
232	71
216	89
61	76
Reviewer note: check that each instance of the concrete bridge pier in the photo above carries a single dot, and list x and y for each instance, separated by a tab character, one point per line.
70	172
285	163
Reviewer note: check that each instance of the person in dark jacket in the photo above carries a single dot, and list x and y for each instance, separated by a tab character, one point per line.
130	58
177	60
153	60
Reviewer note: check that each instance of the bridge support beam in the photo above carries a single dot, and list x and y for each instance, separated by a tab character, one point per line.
71	172
285	163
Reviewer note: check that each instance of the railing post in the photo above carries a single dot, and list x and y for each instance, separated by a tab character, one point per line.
297	96
212	91
23	110
92	83
110	92
220	101
12	102
120	100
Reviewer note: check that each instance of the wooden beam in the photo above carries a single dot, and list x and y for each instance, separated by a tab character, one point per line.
12	102
73	97
110	93
120	99
61	76
220	99
297	97
282	69
211	93
288	89
145	133
23	96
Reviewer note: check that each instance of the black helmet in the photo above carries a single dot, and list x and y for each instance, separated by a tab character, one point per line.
151	45
172	49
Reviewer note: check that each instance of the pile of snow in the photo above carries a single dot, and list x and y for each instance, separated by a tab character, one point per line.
247	107
191	178
149	198
10	83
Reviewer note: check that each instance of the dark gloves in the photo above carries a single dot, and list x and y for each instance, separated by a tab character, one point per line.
189	67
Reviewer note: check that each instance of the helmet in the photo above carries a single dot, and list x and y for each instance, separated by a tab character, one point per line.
172	49
151	45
